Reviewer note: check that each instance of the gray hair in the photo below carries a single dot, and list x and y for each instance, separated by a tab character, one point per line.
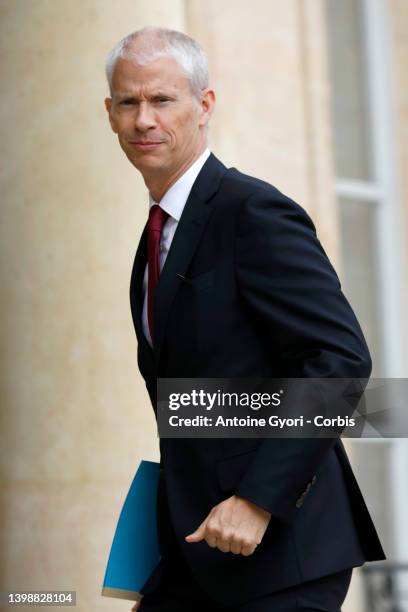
162	42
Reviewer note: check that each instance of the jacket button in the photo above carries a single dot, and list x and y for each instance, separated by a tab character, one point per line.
299	501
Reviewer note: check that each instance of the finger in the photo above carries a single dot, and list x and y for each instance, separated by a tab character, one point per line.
247	549
211	540
235	547
224	539
212	535
223	545
135	607
198	534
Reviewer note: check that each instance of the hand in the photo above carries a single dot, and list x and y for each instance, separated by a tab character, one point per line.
235	525
135	607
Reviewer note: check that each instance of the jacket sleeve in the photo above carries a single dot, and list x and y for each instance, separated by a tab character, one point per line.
293	293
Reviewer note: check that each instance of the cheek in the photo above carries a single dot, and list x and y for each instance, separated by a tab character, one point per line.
115	120
183	129
122	122
123	141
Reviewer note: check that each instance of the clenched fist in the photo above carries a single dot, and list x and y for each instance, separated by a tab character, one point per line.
235	525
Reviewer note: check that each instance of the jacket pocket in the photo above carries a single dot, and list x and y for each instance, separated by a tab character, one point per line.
231	470
201	281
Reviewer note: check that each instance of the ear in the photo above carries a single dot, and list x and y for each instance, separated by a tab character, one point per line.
108	106
206	105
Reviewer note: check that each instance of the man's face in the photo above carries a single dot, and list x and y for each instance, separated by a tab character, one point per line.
159	123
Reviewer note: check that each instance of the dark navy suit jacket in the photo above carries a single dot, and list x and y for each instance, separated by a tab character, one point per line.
261	300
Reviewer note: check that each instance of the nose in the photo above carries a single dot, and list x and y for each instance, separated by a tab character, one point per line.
145	118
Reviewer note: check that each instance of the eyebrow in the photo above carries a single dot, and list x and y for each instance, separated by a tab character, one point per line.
156	94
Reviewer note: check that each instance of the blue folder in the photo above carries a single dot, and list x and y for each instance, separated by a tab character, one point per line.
135	550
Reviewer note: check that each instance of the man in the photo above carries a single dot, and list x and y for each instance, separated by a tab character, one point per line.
230	280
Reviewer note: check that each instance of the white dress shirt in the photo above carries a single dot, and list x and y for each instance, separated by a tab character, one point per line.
173	203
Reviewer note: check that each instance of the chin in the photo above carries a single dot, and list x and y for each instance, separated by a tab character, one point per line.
143	161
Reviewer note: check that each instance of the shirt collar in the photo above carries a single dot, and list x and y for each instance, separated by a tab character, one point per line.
175	198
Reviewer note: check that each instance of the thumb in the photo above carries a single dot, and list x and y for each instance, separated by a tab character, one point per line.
198	534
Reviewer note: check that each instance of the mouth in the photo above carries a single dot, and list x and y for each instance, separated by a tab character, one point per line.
146	145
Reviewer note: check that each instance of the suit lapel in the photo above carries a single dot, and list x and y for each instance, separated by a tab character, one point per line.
189	230
136	298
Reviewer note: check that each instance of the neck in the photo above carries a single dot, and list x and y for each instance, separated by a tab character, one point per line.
158	185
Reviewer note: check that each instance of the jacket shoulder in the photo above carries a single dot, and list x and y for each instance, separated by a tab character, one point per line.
246	184
244	188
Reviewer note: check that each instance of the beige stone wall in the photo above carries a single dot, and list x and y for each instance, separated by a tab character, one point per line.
75	412
268	67
398	12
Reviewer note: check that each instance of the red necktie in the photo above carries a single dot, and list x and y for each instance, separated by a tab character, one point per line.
157	218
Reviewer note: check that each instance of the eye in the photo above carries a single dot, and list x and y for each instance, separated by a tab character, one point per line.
127	102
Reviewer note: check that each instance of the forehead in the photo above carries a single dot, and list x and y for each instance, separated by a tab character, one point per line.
163	73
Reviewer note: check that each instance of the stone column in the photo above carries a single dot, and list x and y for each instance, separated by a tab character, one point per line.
76	416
